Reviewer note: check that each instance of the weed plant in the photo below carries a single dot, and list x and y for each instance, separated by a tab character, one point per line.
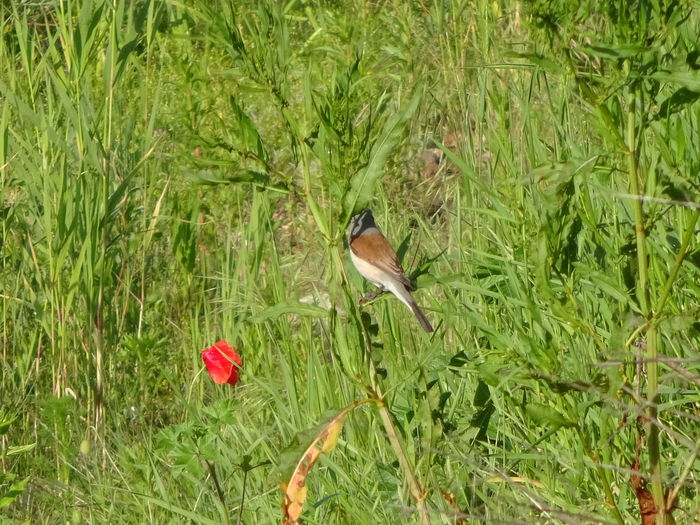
175	173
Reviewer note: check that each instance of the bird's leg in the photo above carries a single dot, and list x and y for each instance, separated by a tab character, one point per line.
372	296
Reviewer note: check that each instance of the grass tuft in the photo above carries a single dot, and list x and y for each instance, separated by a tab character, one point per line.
176	173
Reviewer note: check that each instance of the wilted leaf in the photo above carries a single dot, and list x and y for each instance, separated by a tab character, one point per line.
323	439
514	479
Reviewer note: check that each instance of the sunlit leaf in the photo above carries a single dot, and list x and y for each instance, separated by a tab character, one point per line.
14	491
363	183
546	416
688	79
19	449
323	439
296	308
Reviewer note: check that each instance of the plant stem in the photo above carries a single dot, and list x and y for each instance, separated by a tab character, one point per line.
633	168
671	500
219	491
657	490
376	393
682	251
240	508
604	477
414	487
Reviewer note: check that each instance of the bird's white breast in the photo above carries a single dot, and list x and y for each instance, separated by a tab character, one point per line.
369	271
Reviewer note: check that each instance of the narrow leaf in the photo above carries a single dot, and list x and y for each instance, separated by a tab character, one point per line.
296	308
547	416
363	182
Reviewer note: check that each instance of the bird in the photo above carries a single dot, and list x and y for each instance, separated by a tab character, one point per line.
376	260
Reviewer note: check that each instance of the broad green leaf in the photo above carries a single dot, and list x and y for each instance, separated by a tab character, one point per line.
363	183
247	132
5	425
605	283
13	493
547	416
688	79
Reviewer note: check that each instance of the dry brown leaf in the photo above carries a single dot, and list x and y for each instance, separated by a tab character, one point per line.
295	489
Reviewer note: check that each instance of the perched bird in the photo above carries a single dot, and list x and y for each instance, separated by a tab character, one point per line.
376	260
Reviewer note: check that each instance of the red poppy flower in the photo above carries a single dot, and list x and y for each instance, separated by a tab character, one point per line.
220	360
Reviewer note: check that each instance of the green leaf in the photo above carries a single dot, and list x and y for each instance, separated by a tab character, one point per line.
541	61
5	425
222	412
604	283
546	416
614	52
363	183
212	178
247	132
296	308
13	493
192	516
681	98
688	79
490	373
19	449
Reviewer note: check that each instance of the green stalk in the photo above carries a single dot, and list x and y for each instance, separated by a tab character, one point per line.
682	251
657	488
414	487
652	430
671	500
633	168
239	521
219	491
665	294
314	208
604	476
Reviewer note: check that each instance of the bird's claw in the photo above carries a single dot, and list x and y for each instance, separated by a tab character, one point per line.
371	296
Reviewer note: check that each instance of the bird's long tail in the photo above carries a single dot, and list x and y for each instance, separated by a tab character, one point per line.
422	319
406	298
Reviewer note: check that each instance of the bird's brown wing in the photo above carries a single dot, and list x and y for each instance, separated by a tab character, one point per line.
375	249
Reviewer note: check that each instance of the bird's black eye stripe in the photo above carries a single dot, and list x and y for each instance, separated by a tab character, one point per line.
360	222
355	226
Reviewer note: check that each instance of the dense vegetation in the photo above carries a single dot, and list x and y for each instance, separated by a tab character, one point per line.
177	173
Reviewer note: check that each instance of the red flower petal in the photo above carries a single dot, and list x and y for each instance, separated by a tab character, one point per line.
220	360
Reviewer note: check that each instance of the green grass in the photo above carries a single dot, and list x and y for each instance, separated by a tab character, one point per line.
175	173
